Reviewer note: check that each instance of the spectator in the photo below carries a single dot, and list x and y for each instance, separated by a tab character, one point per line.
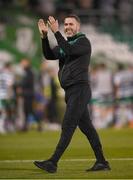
125	14
84	10
107	9
63	8
46	7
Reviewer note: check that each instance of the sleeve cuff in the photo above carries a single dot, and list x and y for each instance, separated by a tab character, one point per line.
57	34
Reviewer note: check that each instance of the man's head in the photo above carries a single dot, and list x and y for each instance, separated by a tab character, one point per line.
71	25
25	63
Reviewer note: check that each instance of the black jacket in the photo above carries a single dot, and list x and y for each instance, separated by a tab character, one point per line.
74	58
27	83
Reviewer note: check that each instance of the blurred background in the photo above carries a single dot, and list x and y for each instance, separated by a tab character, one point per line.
30	94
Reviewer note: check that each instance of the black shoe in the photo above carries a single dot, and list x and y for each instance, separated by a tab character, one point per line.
48	166
100	166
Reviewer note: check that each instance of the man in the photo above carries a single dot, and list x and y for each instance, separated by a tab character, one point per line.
26	90
74	57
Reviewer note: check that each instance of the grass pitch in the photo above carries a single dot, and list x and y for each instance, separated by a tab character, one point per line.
18	150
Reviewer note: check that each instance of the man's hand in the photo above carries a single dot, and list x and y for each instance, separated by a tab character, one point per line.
53	24
43	29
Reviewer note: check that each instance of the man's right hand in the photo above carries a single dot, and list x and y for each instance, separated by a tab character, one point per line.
43	29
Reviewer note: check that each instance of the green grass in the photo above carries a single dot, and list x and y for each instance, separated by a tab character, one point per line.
34	145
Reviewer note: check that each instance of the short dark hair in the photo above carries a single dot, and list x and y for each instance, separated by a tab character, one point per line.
73	16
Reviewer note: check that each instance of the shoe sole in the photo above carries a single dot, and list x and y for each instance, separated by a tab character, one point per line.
44	168
105	169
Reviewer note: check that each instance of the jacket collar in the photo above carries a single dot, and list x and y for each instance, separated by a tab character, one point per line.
75	36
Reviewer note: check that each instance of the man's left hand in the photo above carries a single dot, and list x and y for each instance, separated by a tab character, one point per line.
53	24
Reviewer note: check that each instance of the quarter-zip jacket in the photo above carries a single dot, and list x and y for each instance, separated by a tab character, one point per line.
74	58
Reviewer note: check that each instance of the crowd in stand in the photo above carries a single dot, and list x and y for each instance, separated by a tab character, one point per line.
95	11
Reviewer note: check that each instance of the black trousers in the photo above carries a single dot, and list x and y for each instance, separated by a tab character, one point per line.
77	114
28	110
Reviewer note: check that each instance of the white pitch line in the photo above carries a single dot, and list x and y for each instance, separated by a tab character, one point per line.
69	160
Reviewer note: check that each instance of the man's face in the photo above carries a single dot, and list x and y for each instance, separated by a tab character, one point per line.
71	27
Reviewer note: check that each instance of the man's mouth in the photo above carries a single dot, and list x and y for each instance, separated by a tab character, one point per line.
68	31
